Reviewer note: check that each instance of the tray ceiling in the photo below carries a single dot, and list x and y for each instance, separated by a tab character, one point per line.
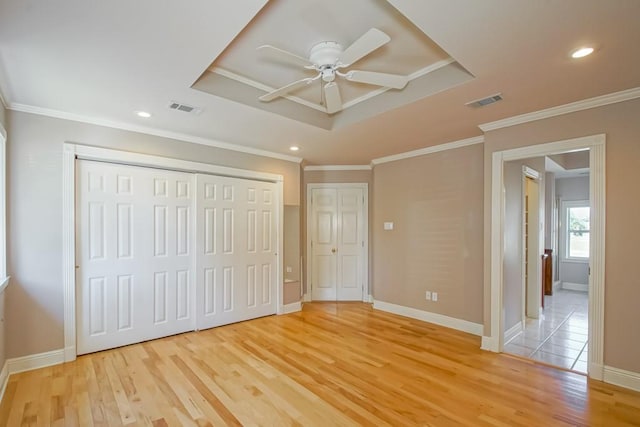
242	73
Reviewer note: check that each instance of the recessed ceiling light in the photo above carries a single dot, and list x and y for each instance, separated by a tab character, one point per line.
582	52
143	114
294	148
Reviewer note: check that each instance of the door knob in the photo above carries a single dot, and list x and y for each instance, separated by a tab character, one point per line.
333	250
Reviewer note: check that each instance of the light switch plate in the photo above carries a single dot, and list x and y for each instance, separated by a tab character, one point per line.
434	296
388	225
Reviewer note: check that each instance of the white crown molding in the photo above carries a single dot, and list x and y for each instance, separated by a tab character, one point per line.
429	150
150	131
338	168
426	316
573	107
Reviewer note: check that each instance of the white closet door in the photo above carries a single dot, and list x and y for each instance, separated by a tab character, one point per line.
324	243
336	229
236	250
134	251
350	259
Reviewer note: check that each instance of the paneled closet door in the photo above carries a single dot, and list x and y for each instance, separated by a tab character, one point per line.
135	254
336	229
236	250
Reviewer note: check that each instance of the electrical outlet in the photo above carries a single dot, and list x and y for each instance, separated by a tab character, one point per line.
289	269
434	296
428	295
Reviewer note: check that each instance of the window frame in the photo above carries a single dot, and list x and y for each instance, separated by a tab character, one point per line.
566	206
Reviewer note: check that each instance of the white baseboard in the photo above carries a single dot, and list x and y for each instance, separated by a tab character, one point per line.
369	299
622	378
556	285
306	298
426	316
575	287
512	332
28	363
35	361
292	307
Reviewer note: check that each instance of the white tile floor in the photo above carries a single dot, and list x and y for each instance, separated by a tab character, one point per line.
559	337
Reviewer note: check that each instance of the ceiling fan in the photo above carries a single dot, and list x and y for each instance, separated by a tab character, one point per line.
328	58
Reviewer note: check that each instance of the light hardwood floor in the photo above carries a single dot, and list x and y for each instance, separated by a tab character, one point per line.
331	364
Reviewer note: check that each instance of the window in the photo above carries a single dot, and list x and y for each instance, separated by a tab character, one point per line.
577	228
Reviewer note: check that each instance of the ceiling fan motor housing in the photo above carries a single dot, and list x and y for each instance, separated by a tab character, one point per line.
325	54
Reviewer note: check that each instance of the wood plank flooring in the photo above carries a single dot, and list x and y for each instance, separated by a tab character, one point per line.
331	364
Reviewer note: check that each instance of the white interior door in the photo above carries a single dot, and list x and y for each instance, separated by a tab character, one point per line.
337	227
324	242
134	254
236	250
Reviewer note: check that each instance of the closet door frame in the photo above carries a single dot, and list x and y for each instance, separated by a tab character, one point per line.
72	151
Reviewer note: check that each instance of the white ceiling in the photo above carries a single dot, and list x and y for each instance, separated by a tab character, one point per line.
101	61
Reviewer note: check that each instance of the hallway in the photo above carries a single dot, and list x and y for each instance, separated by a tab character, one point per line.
560	336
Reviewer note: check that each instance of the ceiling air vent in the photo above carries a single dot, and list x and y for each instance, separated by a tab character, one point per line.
485	101
184	107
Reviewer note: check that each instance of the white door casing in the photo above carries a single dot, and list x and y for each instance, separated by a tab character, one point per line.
337	247
236	250
134	253
494	339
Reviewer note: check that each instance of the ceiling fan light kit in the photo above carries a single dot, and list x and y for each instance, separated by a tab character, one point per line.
327	58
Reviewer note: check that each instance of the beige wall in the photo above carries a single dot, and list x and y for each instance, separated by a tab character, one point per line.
622	289
34	152
291	257
435	203
331	177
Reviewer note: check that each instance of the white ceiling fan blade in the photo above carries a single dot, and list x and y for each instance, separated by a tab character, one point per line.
394	81
285	56
367	43
332	97
286	89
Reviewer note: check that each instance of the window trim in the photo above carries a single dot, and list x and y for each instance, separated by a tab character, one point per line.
565	206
